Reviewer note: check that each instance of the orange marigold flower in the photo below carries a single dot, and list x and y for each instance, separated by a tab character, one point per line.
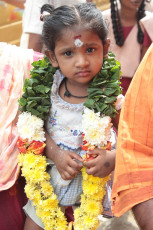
37	147
22	145
108	145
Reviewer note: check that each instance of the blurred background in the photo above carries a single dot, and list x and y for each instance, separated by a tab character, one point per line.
11	21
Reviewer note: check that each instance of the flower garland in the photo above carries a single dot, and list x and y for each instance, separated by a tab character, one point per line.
99	109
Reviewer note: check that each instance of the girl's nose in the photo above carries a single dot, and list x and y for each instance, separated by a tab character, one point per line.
81	61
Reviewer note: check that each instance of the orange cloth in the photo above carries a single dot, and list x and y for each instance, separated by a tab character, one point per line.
133	181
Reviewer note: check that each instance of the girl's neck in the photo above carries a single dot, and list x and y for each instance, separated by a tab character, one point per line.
69	94
73	92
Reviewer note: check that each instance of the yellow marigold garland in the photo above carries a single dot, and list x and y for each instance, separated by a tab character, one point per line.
86	216
39	190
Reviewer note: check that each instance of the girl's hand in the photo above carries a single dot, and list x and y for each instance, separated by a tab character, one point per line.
68	164
103	164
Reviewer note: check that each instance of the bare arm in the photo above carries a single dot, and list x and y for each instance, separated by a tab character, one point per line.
68	163
35	42
17	3
143	213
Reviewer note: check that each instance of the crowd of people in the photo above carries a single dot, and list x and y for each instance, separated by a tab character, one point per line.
76	39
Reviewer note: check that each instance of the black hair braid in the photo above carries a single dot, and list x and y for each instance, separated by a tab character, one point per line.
117	28
140	14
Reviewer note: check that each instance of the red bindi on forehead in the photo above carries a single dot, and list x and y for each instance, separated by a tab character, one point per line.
78	36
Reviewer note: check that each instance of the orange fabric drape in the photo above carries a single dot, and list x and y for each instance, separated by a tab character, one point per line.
133	181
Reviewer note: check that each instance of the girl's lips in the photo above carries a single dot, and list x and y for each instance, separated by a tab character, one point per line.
83	73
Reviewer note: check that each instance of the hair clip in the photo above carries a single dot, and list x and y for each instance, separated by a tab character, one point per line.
44	15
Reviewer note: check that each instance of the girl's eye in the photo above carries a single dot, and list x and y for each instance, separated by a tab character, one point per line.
68	53
90	50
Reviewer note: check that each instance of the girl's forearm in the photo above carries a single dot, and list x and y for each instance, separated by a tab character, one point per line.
51	149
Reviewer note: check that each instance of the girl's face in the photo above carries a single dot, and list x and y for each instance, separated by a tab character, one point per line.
78	54
131	4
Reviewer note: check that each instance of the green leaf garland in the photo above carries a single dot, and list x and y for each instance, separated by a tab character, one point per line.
37	88
103	89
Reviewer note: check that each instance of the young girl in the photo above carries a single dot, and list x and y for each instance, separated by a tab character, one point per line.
76	41
130	32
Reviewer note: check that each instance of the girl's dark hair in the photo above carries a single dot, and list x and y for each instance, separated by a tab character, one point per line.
117	27
65	17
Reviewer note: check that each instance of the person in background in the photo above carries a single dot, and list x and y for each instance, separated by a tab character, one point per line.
133	182
131	33
32	26
15	64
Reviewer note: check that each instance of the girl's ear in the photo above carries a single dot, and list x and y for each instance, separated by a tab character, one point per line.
106	46
52	58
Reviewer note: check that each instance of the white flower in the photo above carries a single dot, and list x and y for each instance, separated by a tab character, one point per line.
39	135
97	129
30	127
89	118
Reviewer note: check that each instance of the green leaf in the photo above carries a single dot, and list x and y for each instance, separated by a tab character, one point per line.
26	83
109	91
22	109
45	101
38	99
31	103
109	100
33	82
113	84
22	101
89	103
103	107
32	111
43	109
25	95
100	107
41	89
30	91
